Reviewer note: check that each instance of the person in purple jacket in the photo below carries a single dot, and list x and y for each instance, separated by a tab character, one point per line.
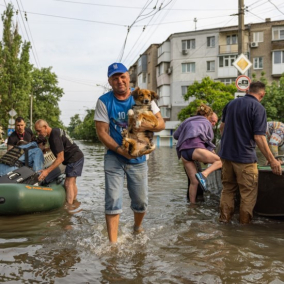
195	136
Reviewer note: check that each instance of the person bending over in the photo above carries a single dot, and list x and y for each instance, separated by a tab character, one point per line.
195	136
66	152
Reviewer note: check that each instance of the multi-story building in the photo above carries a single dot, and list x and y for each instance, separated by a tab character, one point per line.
228	53
190	56
143	71
267	49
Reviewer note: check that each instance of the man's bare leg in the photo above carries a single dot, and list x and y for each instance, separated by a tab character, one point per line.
138	218
71	189
112	227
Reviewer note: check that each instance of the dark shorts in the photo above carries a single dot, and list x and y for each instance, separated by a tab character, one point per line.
74	169
187	154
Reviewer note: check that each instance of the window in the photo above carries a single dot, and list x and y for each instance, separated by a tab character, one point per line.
257	37
227	81
160	50
140	61
188	67
211	41
144	80
159	92
140	79
149	77
188	44
277	33
165	112
160	69
228	40
226	61
184	90
278	57
210	65
258	63
232	39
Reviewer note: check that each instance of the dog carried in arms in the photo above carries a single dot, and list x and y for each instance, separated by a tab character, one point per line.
139	143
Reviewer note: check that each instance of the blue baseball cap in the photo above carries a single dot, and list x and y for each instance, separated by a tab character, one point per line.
115	68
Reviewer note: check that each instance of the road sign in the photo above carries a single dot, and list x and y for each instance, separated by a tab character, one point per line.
242	83
12	112
242	64
239	95
10	131
11	121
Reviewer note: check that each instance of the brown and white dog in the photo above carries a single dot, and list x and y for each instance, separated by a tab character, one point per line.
139	143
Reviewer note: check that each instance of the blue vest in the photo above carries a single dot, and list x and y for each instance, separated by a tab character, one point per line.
118	120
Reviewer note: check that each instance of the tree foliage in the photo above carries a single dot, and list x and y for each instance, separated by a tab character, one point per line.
214	94
85	129
46	95
273	100
15	70
209	92
20	80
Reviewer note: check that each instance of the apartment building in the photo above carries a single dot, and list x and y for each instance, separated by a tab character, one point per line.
188	56
267	49
143	71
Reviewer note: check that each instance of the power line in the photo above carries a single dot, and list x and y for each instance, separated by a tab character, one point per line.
129	27
131	7
76	81
255	3
160	9
27	33
256	15
76	19
275	6
31	36
167	23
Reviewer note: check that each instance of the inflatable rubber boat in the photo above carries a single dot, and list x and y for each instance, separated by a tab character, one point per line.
21	193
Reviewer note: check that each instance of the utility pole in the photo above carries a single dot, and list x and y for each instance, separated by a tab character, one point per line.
241	26
241	15
31	112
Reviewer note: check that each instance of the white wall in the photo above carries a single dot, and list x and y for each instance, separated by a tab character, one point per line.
200	55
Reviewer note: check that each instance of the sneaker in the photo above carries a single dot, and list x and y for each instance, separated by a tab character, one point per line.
202	181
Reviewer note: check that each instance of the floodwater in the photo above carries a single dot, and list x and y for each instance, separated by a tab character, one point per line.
181	243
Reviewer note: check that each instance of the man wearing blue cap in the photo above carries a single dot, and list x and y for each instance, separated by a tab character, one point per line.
111	118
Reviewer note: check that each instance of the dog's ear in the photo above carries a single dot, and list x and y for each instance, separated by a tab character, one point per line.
135	93
154	95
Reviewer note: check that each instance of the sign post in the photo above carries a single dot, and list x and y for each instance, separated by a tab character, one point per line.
242	83
11	126
242	64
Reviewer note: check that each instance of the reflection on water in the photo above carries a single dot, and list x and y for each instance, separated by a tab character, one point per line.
181	243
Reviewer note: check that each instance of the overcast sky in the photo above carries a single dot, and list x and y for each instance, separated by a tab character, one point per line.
80	38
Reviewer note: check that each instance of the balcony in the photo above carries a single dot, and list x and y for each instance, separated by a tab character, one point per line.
133	77
226	49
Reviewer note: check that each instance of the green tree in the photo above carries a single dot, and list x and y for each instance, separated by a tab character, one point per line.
74	122
214	94
15	83
273	100
209	92
46	95
83	130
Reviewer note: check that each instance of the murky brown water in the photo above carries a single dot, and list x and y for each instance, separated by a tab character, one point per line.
181	243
